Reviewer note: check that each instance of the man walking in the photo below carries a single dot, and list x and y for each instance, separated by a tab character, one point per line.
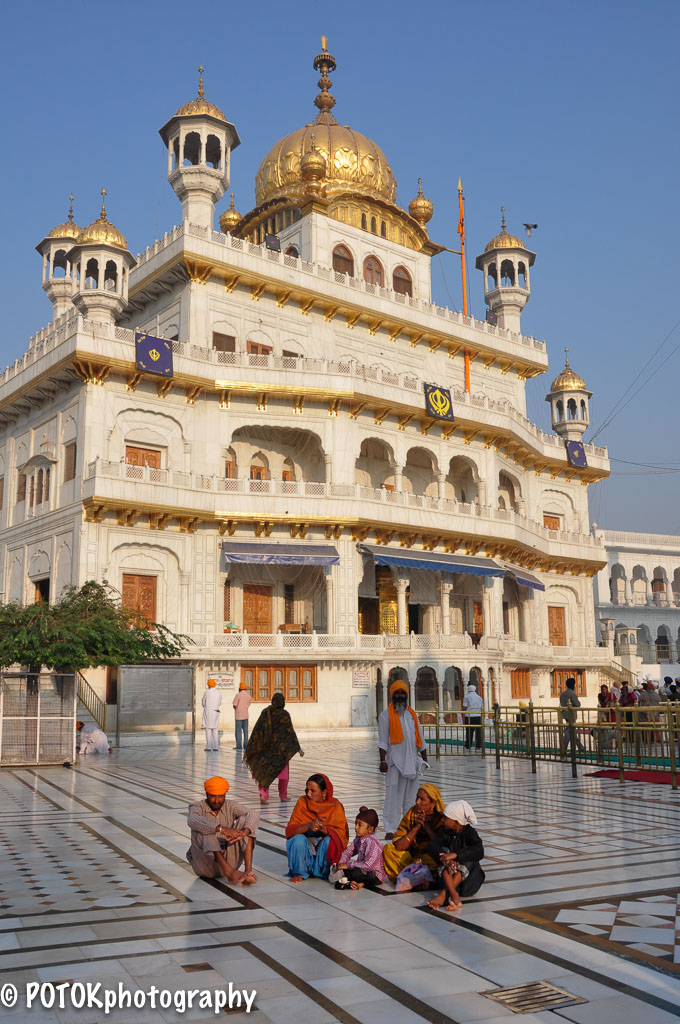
473	706
212	702
399	742
568	702
240	704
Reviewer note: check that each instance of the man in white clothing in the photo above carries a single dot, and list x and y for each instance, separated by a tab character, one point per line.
212	702
399	742
473	706
92	740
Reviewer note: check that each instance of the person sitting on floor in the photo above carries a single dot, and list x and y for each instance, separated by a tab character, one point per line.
362	861
317	832
415	833
222	835
92	740
458	848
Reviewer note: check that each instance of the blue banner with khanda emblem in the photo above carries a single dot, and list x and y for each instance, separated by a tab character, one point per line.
153	355
438	402
576	454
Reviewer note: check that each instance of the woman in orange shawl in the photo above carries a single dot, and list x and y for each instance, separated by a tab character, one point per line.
317	832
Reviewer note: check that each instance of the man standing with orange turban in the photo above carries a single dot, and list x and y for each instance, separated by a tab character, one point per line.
399	742
212	702
222	835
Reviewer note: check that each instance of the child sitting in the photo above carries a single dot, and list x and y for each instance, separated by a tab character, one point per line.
458	850
367	867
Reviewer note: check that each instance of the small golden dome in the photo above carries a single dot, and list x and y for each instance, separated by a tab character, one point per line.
68	229
230	218
568	380
313	163
354	164
421	208
505	240
200	105
102	232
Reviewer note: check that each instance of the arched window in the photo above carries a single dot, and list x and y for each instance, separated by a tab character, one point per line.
373	271
383	229
364	223
507	273
292	251
583	409
92	274
522	275
560	411
571	409
110	276
491	274
192	149
59	264
374	226
343	261
213	152
401	281
39	488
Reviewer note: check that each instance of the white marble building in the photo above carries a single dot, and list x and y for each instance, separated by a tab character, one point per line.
382	539
638	600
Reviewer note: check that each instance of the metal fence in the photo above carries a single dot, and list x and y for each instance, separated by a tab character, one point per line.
37	718
639	738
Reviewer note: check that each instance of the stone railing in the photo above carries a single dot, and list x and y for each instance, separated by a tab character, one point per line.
263	489
655	540
369	645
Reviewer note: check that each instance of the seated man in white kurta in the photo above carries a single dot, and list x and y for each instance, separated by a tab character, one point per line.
399	742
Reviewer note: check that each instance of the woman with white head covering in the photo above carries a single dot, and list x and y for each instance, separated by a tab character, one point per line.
458	850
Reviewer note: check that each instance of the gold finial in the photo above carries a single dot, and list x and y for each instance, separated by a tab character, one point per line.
326	64
460	186
70	208
566	357
420	186
503	228
201	69
102	215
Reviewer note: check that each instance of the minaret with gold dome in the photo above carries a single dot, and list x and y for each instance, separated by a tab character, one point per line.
56	274
101	264
505	263
199	140
569	397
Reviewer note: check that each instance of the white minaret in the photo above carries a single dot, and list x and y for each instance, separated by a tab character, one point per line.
100	267
56	270
199	140
505	262
569	397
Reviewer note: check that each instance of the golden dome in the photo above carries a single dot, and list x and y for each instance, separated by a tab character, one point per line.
568	380
200	105
421	208
68	229
354	163
505	240
230	217
102	232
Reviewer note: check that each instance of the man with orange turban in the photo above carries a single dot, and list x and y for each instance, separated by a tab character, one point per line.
399	742
212	702
222	835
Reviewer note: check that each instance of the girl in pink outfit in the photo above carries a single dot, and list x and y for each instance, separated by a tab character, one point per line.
361	863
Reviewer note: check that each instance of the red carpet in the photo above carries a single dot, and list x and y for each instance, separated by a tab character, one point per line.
663	778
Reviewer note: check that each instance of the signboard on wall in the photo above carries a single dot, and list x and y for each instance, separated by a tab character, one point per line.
361	679
223	681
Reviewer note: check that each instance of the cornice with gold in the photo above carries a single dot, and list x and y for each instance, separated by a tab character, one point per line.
355	314
187	520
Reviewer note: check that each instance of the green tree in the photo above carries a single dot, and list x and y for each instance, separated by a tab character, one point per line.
85	628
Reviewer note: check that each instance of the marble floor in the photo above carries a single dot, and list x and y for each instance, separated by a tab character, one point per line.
582	892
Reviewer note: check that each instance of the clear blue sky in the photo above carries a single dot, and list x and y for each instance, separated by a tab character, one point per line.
564	113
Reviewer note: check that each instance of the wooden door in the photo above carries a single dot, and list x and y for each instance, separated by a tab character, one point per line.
142	457
520	684
551	522
257	472
257	608
557	633
254	348
478	618
139	595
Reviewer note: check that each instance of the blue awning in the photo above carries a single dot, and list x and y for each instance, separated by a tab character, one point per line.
521	576
406	559
265	553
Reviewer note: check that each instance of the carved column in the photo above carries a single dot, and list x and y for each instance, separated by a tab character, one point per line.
446	608
402	611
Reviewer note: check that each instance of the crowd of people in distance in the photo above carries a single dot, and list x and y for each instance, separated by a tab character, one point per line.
428	845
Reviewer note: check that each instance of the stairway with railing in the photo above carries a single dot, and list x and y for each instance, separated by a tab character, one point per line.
91	700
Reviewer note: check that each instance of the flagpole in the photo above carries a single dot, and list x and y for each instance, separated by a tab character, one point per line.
461	232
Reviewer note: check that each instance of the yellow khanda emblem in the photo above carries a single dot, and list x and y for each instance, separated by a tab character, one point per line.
439	403
154	354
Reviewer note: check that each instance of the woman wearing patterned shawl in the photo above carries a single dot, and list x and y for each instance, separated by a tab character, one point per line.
317	832
271	746
415	833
